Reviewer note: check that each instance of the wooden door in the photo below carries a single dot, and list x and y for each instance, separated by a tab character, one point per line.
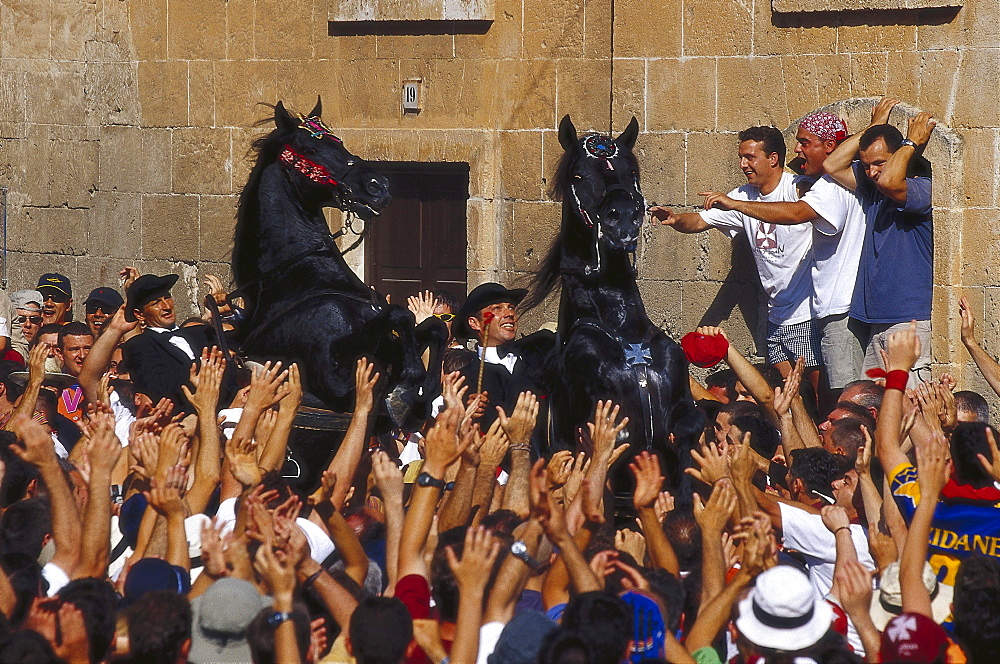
419	241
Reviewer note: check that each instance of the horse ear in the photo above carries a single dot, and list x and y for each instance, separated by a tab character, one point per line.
627	137
317	109
567	133
282	119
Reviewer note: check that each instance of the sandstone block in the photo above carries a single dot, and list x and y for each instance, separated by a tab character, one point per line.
904	77
282	29
980	255
535	225
370	92
75	172
25	31
805	33
647	29
57	230
868	76
239	88
584	87
301	82
414	46
27	265
629	98
661	168
502	40
525	94
218	223
148	23
201	93
975	25
239	33
72	24
980	71
57	95
201	162
814	81
682	94
115	231
169	227
553	30
520	165
163	88
980	167
712	165
663	302
597	36
861	38
743	79
938	70
701	33
193	31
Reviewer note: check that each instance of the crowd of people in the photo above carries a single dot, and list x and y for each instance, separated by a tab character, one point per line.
149	515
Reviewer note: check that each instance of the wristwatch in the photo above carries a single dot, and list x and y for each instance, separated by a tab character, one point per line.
520	551
907	141
426	479
277	618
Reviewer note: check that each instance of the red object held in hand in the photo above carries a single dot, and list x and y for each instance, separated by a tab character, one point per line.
704	351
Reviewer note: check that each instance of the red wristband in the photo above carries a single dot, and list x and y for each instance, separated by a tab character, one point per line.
896	380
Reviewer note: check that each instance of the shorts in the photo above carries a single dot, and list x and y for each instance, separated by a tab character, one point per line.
787	343
878	337
842	340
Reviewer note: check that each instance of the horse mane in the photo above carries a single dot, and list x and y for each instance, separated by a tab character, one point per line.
266	148
549	276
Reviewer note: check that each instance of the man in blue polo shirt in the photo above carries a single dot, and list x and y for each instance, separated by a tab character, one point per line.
895	276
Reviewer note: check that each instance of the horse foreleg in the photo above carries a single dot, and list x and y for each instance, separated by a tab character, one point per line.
408	391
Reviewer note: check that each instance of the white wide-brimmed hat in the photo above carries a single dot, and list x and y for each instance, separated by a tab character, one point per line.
887	601
783	611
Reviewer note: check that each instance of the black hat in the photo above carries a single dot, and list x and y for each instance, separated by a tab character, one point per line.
108	296
57	281
145	289
481	297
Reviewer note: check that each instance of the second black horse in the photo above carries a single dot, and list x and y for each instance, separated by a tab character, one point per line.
608	347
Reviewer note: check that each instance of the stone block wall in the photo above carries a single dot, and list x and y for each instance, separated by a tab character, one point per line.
124	126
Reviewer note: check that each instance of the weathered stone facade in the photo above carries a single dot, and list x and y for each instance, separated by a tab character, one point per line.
124	124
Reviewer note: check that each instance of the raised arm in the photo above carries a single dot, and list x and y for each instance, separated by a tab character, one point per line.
347	543
443	448
472	574
205	399
165	499
783	214
746	373
933	470
685	222
987	364
648	482
276	446
839	163
39	451
892	179
348	457
712	518
389	480
36	374
103	451
903	351
519	427
99	358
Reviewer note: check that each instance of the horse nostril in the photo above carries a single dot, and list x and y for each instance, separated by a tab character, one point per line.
614	214
373	186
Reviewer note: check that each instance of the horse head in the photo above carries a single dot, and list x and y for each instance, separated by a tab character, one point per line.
324	169
601	184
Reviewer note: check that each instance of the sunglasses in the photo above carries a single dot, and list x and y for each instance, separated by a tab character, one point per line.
54	295
24	319
94	307
445	318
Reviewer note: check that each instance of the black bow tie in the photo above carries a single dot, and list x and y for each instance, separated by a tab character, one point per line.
506	349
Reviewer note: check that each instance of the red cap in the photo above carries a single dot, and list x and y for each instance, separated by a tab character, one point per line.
912	637
703	351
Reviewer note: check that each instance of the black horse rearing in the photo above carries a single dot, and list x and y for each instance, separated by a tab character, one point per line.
609	349
303	302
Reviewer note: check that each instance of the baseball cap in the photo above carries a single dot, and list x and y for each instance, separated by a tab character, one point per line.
27	299
57	281
219	619
104	295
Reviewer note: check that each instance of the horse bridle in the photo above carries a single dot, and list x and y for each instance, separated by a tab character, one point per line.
585	215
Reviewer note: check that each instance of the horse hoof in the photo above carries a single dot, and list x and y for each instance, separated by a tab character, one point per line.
398	407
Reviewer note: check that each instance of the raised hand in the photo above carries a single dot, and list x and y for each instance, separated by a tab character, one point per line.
521	423
442	445
38	447
783	398
648	480
605	428
835	517
921	126
716	199
478	556
882	110
713	464
863	462
421	306
206	380
453	390
559	468
212	551
267	386
903	349
968	322
388	477
720	508
495	445
242	460
173	450
166	500
365	379
632	543
933	466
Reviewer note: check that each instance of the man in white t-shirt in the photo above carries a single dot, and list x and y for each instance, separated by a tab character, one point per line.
838	225
783	254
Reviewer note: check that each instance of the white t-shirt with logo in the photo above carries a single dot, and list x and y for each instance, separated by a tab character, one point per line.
783	253
837	242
